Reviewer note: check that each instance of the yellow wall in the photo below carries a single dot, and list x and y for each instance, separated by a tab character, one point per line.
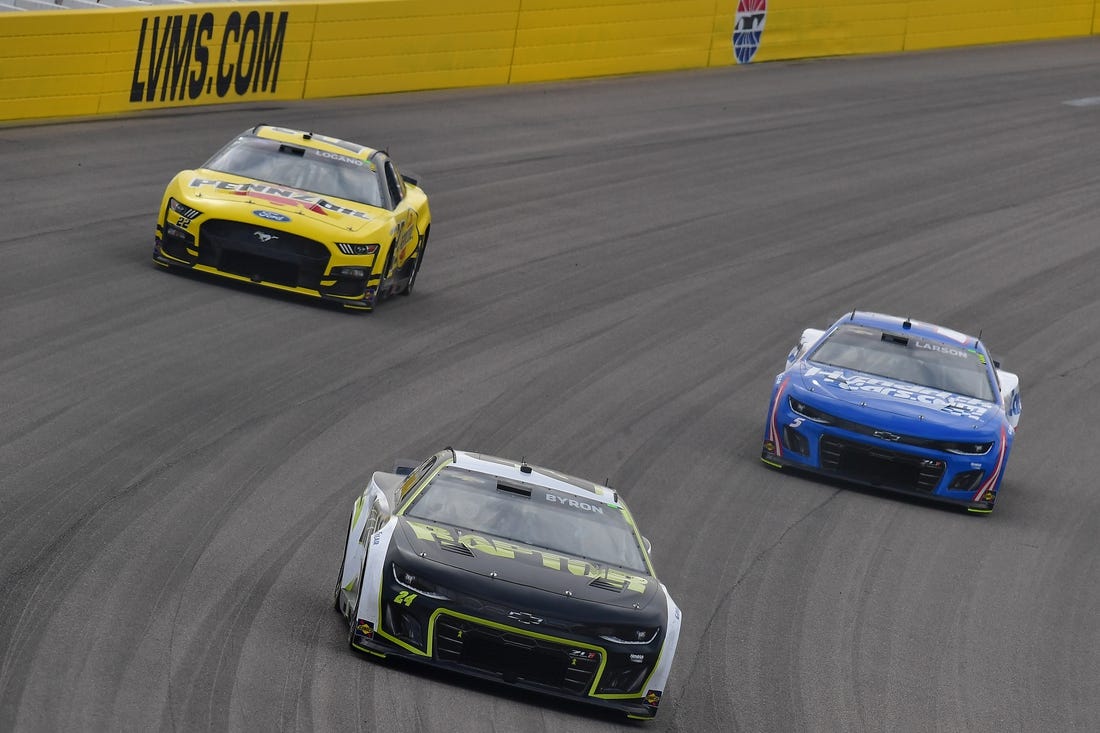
967	22
568	39
85	62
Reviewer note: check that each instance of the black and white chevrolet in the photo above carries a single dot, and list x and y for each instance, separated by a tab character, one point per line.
509	572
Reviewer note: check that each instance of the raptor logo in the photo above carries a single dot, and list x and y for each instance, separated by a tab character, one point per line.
748	27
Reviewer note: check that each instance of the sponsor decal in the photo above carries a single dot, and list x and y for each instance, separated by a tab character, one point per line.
271	215
510	550
264	236
970	407
279	195
189	56
748	28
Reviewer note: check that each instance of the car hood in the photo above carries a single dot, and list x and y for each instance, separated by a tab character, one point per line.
525	565
282	203
932	409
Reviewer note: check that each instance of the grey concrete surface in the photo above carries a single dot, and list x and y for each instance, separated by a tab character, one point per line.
618	268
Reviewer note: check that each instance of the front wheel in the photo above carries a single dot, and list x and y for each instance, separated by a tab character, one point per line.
414	264
380	293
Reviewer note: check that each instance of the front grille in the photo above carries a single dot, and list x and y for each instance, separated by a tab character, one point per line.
880	466
795	441
262	254
824	418
516	656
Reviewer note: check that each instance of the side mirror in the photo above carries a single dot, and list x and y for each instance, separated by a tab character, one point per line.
647	545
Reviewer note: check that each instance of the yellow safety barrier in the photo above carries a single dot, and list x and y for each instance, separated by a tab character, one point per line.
68	63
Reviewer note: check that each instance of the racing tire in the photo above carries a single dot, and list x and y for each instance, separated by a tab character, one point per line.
380	294
340	572
351	627
414	263
354	615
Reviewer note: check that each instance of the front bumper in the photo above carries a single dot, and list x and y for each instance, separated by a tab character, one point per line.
544	661
969	481
297	265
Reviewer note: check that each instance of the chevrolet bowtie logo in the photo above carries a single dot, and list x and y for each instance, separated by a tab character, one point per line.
264	236
525	618
892	437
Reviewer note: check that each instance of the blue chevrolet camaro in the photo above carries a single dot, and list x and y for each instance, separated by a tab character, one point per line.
895	404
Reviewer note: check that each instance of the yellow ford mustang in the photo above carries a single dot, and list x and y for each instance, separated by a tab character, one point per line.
298	212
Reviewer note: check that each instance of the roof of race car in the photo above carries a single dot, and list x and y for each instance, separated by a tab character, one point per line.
535	475
312	140
898	324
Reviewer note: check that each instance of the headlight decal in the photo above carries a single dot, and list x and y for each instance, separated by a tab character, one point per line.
351	248
183	210
417	585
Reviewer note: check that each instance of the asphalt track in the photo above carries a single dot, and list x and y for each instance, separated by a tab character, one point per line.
617	270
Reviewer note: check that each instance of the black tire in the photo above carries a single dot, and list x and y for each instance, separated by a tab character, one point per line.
351	627
380	294
354	615
340	572
414	263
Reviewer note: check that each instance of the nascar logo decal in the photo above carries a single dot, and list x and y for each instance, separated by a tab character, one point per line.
748	27
271	215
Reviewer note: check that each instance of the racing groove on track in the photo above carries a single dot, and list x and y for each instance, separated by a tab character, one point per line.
617	270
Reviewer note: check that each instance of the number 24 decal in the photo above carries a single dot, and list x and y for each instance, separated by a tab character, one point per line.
405	597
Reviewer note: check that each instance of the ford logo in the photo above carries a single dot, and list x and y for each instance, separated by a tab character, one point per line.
271	215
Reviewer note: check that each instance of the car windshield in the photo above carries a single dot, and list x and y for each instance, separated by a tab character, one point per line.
306	169
908	358
530	515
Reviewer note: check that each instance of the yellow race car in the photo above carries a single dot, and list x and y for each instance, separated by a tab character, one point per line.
298	212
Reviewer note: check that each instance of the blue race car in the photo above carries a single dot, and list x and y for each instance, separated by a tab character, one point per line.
895	404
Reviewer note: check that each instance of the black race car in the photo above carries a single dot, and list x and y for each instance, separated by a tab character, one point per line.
509	572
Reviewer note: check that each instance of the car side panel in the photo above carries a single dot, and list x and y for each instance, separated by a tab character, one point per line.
371	583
